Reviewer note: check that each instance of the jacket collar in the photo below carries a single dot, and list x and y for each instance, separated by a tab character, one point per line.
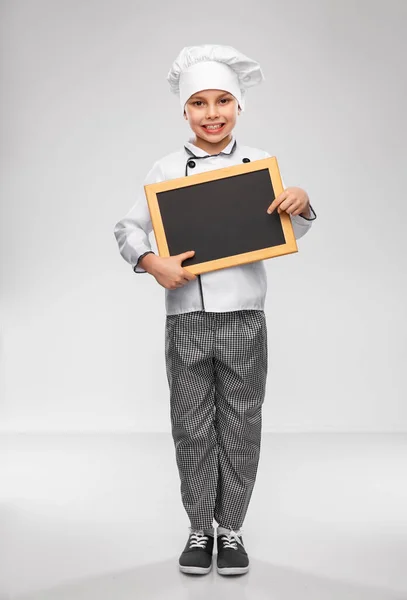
199	153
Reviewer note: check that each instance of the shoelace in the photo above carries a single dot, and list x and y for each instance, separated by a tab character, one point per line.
197	539
227	540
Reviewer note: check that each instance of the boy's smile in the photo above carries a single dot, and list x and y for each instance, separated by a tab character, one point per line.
212	116
214	127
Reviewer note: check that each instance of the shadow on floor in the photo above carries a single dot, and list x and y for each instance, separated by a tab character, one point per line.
163	580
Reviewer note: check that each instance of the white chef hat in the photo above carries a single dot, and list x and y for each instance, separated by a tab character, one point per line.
213	67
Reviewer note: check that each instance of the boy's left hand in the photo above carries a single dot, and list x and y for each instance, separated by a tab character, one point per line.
293	200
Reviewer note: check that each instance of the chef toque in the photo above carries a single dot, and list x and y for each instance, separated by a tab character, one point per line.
213	67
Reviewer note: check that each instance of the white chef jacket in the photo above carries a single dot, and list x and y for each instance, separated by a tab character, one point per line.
233	288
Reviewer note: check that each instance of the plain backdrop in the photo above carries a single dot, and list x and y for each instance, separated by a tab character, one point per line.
86	110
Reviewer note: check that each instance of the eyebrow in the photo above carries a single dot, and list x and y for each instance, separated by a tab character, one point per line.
203	98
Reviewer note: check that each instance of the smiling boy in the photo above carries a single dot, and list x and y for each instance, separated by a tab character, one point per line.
215	329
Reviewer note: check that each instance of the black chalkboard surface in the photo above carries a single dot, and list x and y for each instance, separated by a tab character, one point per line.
221	214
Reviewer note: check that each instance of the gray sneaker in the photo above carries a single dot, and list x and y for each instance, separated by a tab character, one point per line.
197	555
232	557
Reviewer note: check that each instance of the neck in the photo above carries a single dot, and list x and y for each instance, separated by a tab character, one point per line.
212	148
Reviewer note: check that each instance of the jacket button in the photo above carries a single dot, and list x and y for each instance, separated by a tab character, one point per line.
191	163
246	160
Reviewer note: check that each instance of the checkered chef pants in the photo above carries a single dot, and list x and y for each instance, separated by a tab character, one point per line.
216	366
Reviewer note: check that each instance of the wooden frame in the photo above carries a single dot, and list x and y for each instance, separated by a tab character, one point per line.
153	191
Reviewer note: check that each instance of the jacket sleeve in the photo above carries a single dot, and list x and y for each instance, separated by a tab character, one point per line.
132	231
300	224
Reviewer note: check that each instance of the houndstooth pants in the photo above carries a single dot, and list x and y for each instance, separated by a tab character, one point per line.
216	366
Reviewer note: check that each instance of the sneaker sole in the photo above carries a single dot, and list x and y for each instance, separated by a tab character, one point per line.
195	570
232	570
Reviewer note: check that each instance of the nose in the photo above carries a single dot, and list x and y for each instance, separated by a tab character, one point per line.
212	112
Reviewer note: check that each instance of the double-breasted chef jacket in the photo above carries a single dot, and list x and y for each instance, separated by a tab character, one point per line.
241	287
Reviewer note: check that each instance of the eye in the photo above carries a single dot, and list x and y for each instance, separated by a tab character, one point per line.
199	102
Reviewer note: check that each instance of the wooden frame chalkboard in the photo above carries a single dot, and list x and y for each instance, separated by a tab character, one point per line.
222	215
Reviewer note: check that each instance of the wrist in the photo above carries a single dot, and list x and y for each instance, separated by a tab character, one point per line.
306	213
147	262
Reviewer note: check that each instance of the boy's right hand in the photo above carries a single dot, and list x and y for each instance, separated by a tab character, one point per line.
168	270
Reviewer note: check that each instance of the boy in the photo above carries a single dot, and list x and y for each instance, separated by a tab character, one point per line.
215	332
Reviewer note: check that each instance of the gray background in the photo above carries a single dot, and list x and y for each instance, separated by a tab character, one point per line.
86	110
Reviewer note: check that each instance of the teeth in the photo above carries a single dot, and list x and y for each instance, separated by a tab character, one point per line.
213	126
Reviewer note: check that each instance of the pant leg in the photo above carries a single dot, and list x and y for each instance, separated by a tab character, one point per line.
190	373
240	382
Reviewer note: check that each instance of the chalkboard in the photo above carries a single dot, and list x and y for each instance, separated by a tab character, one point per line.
221	214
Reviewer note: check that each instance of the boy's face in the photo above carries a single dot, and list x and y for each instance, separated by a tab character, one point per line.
209	107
